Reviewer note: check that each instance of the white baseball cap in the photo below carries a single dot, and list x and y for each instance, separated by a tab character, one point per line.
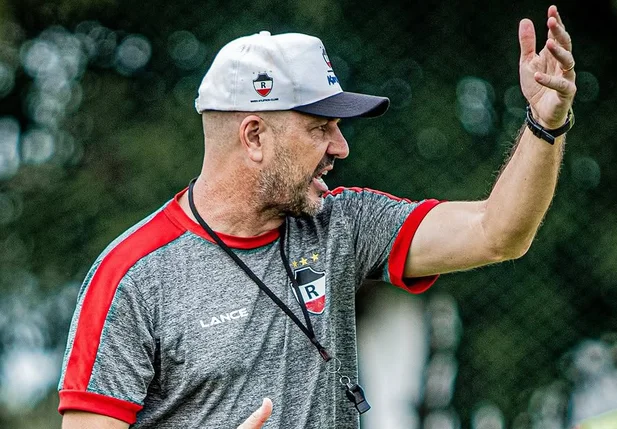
288	71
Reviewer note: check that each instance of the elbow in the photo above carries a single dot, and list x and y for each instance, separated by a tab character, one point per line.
510	248
517	250
505	239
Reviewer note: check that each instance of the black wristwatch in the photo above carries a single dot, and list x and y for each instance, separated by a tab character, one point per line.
548	135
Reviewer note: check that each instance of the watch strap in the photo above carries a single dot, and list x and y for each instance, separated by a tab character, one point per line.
546	134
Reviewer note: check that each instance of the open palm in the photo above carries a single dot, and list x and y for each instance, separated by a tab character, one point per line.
547	78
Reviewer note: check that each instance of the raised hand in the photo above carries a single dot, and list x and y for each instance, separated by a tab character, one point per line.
259	417
547	78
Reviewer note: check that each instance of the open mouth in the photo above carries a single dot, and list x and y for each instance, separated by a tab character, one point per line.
319	182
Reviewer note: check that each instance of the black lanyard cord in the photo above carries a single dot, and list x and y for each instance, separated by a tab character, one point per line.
296	287
308	329
353	391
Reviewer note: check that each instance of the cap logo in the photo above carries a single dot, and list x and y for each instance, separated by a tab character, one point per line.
263	84
332	80
325	57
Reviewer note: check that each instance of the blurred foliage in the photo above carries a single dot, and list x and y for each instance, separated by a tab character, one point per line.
123	137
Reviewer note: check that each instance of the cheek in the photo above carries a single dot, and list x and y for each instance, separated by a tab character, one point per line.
305	155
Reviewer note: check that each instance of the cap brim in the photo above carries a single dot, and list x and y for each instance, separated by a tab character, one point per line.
347	105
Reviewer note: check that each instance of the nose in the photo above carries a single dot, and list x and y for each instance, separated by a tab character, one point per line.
338	146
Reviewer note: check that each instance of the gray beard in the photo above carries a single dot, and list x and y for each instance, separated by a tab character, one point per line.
279	195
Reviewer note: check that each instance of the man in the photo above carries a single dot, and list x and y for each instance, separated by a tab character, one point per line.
242	287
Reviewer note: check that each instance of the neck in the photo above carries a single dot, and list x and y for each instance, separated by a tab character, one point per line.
229	210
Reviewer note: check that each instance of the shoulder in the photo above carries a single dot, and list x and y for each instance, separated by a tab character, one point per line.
139	241
356	198
358	193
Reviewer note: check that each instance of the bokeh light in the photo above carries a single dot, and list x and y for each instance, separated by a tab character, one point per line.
442	419
99	42
488	416
7	79
27	375
446	328
133	54
440	380
9	147
40	58
37	146
586	172
475	98
399	92
187	52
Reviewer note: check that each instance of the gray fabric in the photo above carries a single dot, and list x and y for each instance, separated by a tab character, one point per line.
161	349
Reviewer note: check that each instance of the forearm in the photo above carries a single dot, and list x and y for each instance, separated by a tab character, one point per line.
522	194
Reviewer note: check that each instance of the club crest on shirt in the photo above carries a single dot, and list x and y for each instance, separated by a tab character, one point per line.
312	285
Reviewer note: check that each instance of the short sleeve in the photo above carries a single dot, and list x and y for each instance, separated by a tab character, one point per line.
108	364
382	228
399	252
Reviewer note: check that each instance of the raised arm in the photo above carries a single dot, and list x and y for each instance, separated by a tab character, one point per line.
461	235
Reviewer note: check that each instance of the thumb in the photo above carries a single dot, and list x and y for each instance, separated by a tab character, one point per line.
259	417
527	40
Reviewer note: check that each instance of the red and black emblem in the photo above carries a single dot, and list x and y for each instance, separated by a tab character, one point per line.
263	84
313	289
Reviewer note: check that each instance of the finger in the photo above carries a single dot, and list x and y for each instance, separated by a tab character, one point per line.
560	84
563	56
552	11
559	33
259	417
527	40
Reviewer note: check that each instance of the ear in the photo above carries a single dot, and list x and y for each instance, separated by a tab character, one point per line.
252	135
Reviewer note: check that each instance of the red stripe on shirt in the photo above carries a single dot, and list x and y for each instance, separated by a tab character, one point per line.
400	250
154	234
341	189
100	404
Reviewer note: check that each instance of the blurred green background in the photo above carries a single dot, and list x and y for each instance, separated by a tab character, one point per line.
98	129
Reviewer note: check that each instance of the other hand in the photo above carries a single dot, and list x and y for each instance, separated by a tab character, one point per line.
547	78
259	417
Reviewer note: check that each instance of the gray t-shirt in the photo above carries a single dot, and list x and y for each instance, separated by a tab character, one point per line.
169	332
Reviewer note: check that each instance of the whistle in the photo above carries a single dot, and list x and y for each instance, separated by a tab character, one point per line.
356	395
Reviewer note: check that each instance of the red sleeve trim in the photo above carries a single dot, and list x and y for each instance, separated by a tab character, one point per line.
99	404
154	234
400	250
